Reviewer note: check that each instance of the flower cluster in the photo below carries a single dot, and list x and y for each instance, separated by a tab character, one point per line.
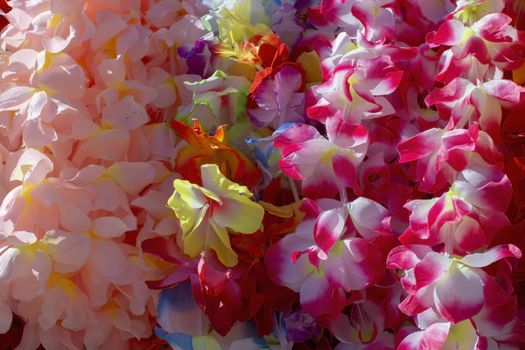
262	174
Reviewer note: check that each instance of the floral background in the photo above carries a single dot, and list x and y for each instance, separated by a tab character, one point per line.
262	174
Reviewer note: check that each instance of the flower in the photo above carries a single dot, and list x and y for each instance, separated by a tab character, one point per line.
204	149
454	287
324	165
310	260
206	212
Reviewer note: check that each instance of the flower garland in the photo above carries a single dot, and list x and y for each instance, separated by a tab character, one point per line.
262	174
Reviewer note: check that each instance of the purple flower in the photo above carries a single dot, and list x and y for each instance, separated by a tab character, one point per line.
278	100
300	326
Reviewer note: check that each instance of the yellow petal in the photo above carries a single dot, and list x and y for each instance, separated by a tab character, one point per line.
220	243
205	343
285	211
311	64
195	241
219	184
234	23
187	202
239	213
236	211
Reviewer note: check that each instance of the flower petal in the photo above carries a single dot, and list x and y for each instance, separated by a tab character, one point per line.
431	338
492	255
6	317
329	226
369	217
459	293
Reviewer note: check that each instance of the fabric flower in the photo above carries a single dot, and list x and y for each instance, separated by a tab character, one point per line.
277	100
206	212
324	165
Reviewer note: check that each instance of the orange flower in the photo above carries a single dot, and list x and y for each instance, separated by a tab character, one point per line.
205	149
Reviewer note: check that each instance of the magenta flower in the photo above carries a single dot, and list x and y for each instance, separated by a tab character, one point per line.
327	254
466	102
324	165
467	217
440	154
455	288
356	93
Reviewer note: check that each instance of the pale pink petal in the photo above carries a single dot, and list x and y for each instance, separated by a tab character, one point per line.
132	177
109	227
21	238
53	304
459	293
32	167
57	44
13	264
431	338
33	283
74	219
165	86
369	217
107	258
112	72
106	31
505	90
110	144
126	114
109	196
6	317
66	78
150	202
282	269
318	297
30	339
69	251
38	133
15	97
492	255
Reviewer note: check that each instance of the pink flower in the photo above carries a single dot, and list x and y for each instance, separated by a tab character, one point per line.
324	165
466	102
310	260
355	93
489	41
467	217
455	288
441	154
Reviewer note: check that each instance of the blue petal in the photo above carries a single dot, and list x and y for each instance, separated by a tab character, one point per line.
179	298
182	340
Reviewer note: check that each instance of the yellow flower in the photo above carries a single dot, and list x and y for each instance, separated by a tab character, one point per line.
236	18
205	213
